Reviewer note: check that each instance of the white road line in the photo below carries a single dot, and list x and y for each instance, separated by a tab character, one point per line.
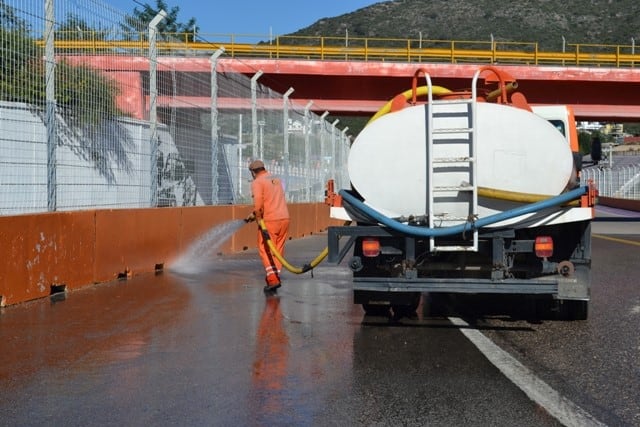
565	411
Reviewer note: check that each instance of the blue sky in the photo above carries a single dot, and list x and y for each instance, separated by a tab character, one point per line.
255	17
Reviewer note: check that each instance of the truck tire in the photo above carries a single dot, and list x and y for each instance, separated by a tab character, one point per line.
376	310
575	310
437	305
407	310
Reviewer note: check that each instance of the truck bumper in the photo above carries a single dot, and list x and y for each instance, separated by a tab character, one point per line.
575	287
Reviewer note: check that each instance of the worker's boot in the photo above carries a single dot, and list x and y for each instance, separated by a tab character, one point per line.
273	282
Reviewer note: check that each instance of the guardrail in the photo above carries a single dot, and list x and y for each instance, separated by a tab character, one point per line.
362	49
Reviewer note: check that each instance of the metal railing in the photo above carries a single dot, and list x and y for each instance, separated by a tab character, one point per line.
366	49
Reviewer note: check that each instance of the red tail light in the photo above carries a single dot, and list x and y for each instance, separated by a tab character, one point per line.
370	247
544	246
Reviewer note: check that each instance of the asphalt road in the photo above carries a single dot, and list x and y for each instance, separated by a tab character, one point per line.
206	347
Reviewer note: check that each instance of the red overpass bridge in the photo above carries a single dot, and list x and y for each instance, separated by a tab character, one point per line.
600	82
361	88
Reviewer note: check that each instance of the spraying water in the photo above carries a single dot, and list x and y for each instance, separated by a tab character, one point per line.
197	258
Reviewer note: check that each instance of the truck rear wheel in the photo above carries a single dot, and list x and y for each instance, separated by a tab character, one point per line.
376	310
575	310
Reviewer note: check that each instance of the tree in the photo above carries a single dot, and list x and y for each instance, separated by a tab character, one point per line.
632	128
85	96
584	140
136	25
596	149
9	21
76	28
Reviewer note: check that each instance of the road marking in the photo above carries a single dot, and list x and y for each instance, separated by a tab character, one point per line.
565	411
615	239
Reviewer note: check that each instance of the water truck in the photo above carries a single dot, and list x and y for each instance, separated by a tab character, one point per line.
468	191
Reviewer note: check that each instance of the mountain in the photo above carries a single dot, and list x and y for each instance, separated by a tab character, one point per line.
542	21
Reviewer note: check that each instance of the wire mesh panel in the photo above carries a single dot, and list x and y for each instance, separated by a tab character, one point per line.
621	182
121	113
292	140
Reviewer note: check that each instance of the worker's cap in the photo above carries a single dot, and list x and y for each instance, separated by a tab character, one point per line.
256	164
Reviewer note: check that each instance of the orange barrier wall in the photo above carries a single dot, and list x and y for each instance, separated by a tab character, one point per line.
626	204
40	252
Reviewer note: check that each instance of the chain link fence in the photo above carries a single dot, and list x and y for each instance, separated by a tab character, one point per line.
146	123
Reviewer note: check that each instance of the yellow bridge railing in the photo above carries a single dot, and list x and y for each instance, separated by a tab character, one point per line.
363	49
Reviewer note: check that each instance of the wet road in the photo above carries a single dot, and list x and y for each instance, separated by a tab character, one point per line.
207	348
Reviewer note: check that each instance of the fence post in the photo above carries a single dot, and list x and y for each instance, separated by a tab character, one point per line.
307	132
342	140
153	114
322	142
333	148
50	119
285	131
214	125
254	114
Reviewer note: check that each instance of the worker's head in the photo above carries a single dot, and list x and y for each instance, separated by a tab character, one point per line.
256	166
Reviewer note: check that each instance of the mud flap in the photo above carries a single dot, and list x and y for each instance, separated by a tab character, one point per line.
576	287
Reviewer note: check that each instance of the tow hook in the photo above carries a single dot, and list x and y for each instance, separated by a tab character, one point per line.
355	264
566	268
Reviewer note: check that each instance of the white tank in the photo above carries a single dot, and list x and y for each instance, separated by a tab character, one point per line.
518	151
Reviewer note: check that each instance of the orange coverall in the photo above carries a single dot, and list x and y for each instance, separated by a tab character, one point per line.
269	203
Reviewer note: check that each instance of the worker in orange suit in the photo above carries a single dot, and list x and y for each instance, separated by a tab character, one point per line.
269	204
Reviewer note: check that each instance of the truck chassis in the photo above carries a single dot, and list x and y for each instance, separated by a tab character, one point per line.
505	263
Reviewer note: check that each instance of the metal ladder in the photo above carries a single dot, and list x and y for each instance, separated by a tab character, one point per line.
452	186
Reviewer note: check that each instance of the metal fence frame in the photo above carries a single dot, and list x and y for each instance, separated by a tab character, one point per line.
82	171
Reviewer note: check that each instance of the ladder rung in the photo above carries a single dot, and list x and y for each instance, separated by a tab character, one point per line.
453	101
454	188
451	114
453	159
452	130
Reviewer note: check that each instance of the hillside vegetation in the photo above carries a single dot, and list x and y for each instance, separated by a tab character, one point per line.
542	21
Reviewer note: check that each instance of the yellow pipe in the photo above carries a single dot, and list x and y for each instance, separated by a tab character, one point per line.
285	263
493	95
513	196
408	94
437	91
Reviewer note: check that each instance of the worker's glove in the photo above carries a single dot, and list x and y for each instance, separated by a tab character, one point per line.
250	218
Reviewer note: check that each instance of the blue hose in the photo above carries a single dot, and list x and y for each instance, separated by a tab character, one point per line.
467	226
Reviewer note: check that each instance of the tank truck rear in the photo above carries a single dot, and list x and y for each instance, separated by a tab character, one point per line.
471	192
